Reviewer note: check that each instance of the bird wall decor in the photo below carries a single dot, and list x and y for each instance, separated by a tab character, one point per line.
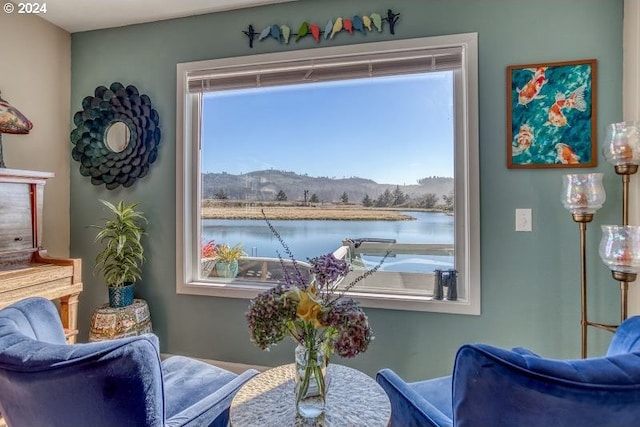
355	24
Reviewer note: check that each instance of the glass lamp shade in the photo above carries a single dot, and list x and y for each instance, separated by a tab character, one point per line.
622	143
583	193
620	248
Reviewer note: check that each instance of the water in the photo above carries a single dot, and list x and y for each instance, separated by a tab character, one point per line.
308	239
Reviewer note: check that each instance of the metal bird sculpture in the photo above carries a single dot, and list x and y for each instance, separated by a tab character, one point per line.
275	33
358	24
327	29
337	26
366	21
286	32
302	31
264	33
11	121
392	18
347	25
315	32
377	21
251	34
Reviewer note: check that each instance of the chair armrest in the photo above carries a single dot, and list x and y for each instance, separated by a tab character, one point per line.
214	407
408	408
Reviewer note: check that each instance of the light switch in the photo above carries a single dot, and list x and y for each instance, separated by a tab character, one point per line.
523	219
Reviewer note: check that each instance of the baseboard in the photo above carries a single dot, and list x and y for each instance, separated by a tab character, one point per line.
238	368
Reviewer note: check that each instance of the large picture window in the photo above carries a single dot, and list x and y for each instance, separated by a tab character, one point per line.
360	151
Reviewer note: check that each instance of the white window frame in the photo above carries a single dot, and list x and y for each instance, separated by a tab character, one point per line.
467	200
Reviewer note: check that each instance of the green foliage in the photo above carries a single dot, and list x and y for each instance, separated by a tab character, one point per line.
281	196
385	199
344	198
398	196
221	195
367	202
429	201
448	201
226	253
314	198
122	256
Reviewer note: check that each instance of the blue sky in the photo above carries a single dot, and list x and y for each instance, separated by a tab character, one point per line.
393	130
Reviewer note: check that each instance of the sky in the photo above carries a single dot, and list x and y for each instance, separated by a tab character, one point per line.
393	130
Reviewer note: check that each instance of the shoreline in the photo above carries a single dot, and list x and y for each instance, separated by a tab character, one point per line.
329	213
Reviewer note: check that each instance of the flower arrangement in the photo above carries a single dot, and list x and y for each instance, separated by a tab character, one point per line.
311	309
208	249
314	312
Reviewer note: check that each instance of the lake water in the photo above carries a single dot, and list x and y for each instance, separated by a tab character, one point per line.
310	238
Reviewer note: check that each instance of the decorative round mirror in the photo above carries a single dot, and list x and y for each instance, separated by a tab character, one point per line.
116	137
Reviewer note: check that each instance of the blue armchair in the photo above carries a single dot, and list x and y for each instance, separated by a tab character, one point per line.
511	388
122	382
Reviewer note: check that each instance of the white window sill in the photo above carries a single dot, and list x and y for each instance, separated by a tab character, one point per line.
384	301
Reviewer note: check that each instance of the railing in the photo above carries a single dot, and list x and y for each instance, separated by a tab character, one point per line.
431	283
439	284
370	246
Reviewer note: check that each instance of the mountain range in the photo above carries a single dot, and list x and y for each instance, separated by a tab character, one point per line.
265	185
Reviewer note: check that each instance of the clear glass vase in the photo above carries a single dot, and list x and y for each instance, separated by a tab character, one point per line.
311	381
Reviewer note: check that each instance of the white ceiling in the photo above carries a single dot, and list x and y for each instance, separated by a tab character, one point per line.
84	15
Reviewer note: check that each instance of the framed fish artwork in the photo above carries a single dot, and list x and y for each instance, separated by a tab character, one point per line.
551	115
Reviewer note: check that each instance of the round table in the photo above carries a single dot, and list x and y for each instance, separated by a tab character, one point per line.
109	322
353	399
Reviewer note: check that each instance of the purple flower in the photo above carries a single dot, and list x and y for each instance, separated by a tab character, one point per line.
327	269
267	316
352	326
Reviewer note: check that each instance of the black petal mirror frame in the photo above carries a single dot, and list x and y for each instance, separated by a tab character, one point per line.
99	112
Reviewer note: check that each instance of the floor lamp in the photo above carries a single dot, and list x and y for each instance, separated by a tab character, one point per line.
619	247
583	195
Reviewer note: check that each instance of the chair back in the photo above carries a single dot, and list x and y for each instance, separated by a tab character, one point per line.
627	337
45	382
498	387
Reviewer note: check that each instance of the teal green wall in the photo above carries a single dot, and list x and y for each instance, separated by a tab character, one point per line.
530	281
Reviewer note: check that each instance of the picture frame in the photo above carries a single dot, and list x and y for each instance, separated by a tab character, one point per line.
551	115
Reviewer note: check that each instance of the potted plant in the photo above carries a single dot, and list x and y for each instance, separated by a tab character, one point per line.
227	259
207	257
122	255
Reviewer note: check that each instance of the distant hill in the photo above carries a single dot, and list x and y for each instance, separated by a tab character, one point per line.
264	185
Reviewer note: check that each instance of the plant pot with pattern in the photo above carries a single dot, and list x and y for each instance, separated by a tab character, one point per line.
207	258
227	260
122	255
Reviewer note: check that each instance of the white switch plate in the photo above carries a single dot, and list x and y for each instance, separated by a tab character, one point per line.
523	219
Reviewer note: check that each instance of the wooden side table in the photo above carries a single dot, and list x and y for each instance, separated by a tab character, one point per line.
109	322
353	399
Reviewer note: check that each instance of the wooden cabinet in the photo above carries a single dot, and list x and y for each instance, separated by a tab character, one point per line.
25	268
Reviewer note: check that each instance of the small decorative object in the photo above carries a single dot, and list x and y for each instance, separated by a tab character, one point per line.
316	314
11	121
122	256
622	144
583	193
207	258
116	137
226	258
620	250
551	115
448	279
355	24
